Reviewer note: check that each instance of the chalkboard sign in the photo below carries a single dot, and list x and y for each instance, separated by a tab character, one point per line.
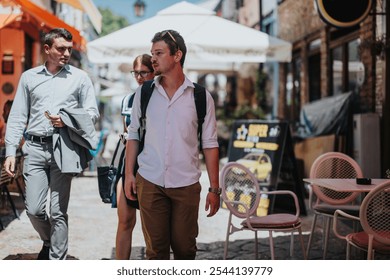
265	148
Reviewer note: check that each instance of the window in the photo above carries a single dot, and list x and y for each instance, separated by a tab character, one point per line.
314	62
314	70
293	88
337	70
355	67
297	72
347	68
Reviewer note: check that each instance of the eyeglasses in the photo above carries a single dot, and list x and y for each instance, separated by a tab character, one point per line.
143	74
163	33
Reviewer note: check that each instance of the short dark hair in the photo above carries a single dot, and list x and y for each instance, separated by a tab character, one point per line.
57	33
174	41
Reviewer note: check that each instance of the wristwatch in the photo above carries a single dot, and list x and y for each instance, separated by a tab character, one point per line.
215	190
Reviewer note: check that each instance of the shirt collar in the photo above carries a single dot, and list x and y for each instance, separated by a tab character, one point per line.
66	67
187	82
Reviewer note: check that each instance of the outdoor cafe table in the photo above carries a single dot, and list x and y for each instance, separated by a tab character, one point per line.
344	185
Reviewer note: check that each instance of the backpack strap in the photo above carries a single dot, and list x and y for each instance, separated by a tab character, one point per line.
200	104
146	92
131	100
115	152
127	104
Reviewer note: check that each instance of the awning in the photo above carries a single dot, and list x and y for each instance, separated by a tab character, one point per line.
6	19
89	8
51	21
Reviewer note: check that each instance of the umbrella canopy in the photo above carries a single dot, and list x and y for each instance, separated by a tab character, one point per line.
213	43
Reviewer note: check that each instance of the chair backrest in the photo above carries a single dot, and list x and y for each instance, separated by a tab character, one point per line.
335	165
239	185
375	213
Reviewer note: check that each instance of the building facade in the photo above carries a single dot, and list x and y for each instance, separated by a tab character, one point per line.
328	60
331	61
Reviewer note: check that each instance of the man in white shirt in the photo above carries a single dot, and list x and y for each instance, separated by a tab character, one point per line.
167	182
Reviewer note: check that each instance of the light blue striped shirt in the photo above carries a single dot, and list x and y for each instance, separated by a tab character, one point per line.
38	91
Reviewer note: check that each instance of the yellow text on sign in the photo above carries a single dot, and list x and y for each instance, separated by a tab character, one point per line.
260	130
243	144
267	146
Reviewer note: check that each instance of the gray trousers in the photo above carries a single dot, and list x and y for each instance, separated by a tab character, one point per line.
41	174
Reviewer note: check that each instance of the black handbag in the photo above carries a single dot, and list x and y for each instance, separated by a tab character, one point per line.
107	179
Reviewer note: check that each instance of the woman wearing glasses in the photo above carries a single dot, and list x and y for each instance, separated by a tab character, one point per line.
142	71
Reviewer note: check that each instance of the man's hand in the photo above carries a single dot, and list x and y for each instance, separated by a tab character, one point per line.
56	121
212	202
9	166
130	187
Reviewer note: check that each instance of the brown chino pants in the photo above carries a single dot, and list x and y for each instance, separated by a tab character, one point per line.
169	219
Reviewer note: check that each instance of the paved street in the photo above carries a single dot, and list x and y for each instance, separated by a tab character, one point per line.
92	229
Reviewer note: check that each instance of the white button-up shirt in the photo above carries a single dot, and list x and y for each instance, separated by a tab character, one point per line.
170	157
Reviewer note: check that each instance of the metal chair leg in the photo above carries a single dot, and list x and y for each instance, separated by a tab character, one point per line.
256	247
226	247
313	225
271	245
20	188
11	201
302	244
348	251
326	237
292	244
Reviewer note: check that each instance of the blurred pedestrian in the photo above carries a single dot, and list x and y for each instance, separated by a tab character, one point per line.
167	182
142	71
51	87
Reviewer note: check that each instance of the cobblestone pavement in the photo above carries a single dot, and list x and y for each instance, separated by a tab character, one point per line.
92	229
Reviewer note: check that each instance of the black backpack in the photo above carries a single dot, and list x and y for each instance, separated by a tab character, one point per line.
146	93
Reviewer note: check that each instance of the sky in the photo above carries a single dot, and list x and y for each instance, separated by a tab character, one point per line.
125	7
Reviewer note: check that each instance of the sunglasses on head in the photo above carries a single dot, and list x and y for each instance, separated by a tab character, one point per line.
166	32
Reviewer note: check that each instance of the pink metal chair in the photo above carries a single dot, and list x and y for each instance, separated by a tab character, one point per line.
241	195
374	218
331	165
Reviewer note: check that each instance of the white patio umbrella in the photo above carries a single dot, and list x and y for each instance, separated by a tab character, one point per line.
213	43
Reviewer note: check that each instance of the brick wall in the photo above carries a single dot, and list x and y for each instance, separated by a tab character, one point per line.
297	19
300	23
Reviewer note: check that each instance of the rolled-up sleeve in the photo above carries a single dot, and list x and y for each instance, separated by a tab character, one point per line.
209	128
